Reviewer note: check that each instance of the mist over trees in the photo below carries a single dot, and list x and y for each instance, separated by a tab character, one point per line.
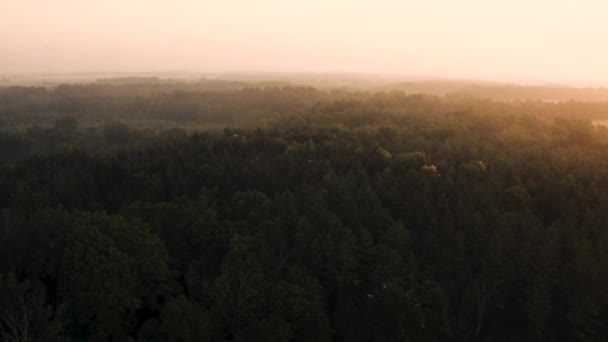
224	212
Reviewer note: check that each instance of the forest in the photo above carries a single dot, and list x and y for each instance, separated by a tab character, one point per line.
263	211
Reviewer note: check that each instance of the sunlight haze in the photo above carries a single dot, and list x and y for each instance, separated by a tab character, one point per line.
534	40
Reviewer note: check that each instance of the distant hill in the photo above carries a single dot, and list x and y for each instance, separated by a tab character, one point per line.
164	82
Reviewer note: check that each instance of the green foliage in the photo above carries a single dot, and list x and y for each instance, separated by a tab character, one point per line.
26	315
343	217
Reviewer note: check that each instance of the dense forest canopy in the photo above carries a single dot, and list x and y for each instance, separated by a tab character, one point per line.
221	211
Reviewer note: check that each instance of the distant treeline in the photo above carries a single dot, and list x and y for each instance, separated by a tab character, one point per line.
238	104
502	92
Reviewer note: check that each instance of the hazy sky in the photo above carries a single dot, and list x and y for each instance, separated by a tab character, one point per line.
515	39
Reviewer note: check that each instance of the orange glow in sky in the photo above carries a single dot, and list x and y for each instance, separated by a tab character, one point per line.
552	40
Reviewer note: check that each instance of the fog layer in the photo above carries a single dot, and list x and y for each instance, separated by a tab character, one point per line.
520	40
